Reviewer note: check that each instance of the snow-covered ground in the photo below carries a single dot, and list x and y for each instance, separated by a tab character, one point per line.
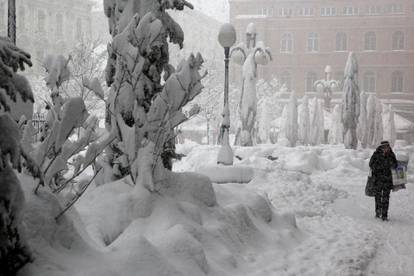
304	213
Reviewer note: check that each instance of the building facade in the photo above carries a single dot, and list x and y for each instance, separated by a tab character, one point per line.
49	26
306	35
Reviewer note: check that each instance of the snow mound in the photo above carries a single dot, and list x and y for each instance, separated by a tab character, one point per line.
188	227
227	174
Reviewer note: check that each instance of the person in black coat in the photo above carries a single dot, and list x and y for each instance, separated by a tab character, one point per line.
381	163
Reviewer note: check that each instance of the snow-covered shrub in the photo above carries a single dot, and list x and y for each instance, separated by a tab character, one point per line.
317	131
336	131
378	124
362	130
371	113
390	132
304	122
350	103
139	107
291	127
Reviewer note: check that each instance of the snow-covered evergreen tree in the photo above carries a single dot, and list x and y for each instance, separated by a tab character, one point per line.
322	122
378	124
363	121
390	132
317	127
371	113
350	102
13	249
291	127
336	130
304	122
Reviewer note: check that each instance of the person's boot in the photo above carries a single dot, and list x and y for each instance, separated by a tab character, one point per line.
385	219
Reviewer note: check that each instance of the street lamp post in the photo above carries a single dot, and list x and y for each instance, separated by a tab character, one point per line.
227	38
326	86
11	23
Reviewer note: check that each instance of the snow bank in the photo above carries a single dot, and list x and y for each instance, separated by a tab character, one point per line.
227	174
188	227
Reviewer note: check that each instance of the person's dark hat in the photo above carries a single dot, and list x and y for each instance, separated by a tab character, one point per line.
385	143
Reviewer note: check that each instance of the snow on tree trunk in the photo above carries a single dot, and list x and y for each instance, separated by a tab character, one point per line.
350	103
363	121
378	123
336	130
304	122
371	113
138	58
390	132
291	127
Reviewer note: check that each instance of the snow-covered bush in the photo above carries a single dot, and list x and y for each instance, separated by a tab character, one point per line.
362	130
371	113
336	130
291	126
378	124
390	132
141	109
304	122
317	131
350	103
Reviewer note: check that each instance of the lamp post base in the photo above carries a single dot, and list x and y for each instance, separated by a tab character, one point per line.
225	155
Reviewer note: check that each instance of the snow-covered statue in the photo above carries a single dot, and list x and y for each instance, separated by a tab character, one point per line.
326	87
139	107
249	55
350	103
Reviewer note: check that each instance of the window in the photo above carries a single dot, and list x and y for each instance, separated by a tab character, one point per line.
79	33
285	11
328	11
313	42
59	25
306	11
286	43
350	11
311	78
370	41
374	10
341	42
395	8
286	79
22	18
369	82
398	41
41	21
397	82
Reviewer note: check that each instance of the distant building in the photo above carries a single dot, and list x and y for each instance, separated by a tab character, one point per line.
53	26
307	35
